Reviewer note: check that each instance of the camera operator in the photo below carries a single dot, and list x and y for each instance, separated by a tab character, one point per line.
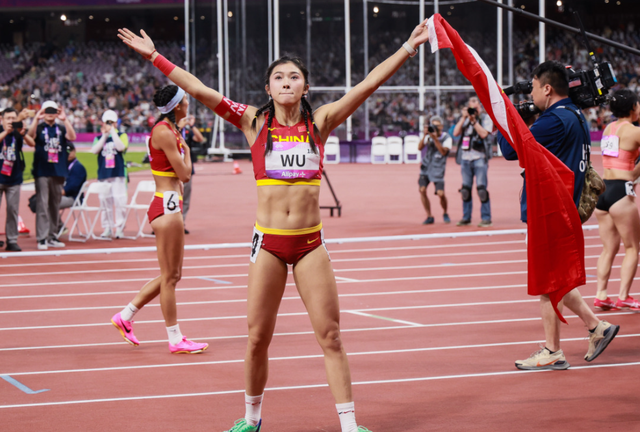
110	148
12	137
474	152
563	130
50	169
434	163
191	135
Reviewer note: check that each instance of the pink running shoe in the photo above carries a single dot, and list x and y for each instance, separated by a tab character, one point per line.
605	304
185	346
125	328
629	303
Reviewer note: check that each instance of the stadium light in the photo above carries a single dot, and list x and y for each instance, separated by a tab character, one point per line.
376	9
559	3
230	14
202	17
10	21
175	18
63	17
90	16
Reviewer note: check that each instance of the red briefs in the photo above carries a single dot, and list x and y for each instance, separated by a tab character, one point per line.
164	203
290	246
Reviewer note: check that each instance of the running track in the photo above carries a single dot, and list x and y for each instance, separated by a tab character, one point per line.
432	328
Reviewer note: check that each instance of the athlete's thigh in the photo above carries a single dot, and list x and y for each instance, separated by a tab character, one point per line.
267	281
607	229
169	231
316	284
627	221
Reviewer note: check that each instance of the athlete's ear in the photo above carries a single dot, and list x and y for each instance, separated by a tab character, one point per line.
266	88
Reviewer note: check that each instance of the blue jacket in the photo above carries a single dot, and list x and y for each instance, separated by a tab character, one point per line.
560	131
77	176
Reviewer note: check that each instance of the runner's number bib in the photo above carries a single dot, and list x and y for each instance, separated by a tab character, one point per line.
610	145
171	202
292	160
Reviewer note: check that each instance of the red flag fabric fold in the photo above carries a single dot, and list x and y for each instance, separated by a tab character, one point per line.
555	250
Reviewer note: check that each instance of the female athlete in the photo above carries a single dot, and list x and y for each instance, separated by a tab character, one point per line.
171	166
616	209
287	146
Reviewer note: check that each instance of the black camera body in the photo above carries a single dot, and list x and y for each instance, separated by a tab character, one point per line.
472	111
17	126
431	129
586	88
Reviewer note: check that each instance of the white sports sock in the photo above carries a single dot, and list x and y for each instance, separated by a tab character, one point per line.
347	414
253	409
129	312
175	335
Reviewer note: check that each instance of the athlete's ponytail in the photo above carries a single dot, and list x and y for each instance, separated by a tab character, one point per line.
162	98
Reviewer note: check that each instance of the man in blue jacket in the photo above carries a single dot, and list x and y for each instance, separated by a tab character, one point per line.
562	129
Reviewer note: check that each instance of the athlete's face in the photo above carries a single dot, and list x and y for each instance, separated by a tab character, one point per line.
635	113
287	84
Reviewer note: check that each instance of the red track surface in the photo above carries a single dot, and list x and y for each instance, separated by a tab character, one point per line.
432	327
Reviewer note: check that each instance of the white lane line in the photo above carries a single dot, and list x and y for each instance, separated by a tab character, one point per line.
344	279
355	312
309	386
139	260
299	357
292	314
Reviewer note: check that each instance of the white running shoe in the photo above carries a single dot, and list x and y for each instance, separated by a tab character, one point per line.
55	243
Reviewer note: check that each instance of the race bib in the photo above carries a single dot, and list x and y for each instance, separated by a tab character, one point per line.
110	161
292	160
171	202
465	143
610	145
7	167
256	244
53	155
629	189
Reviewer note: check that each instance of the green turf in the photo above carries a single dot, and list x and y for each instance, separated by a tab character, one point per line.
90	162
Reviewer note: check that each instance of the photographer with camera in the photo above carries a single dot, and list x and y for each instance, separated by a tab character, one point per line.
191	135
110	148
434	163
12	137
474	152
563	130
50	169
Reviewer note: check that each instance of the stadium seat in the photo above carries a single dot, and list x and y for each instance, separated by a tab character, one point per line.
332	150
379	153
144	186
394	150
80	211
411	152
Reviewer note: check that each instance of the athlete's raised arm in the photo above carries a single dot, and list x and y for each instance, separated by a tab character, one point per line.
330	116
238	114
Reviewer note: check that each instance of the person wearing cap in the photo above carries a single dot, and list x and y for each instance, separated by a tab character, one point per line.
76	178
110	148
438	144
12	138
50	169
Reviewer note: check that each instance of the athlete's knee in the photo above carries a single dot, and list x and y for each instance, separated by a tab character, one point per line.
172	277
423	190
329	339
259	338
440	193
465	193
483	194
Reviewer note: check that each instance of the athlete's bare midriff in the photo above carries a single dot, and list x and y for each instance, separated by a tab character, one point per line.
288	207
164	184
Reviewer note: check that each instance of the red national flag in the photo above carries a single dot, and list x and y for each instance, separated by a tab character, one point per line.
556	243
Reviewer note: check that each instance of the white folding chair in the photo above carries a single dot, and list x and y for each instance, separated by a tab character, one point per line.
332	150
379	150
394	150
411	152
81	209
144	186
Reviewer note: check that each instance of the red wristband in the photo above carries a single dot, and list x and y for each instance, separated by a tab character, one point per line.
163	65
151	55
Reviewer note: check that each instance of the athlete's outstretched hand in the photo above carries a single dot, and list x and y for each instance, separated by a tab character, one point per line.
419	35
142	45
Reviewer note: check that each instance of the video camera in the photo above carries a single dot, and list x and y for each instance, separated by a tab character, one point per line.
586	88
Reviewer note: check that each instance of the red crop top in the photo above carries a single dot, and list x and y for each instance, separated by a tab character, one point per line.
291	162
160	165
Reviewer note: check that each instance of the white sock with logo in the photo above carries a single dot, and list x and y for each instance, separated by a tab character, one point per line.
129	312
175	335
253	409
347	414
